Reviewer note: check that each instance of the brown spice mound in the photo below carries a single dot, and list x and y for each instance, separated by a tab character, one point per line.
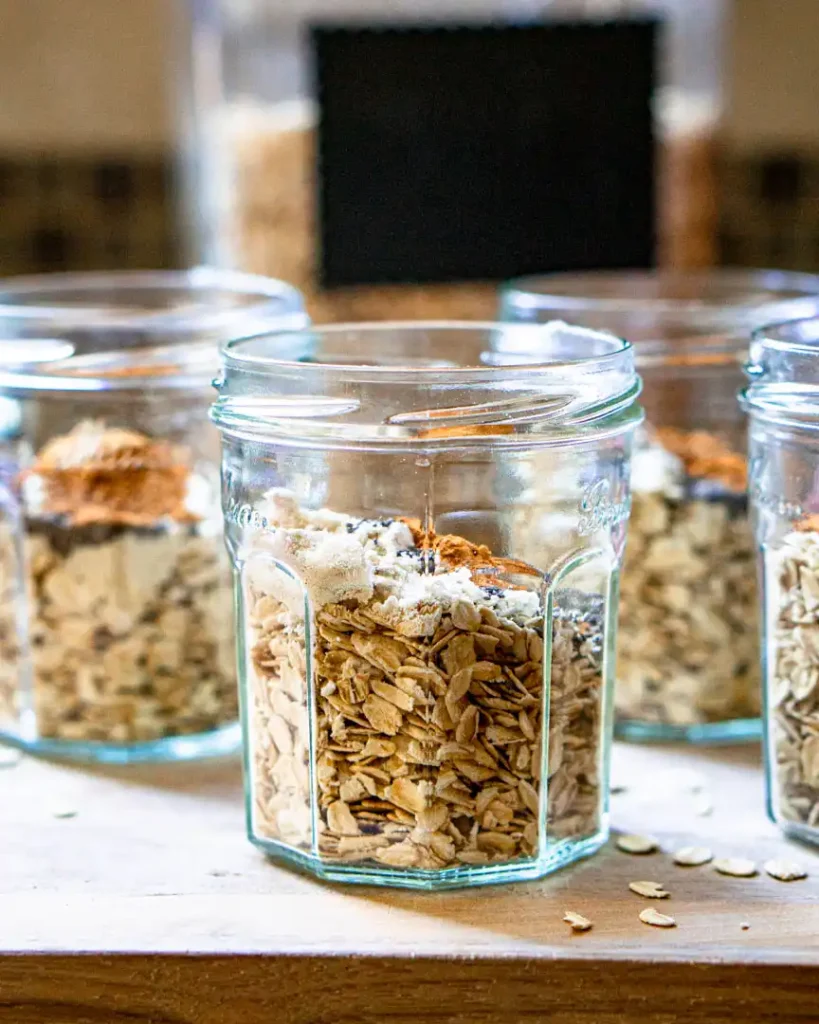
705	455
455	552
809	524
97	474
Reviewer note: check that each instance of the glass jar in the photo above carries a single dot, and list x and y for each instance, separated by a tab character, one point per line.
688	108
251	137
783	403
426	640
116	638
687	663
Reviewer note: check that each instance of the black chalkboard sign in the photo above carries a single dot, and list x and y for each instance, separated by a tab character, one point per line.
479	153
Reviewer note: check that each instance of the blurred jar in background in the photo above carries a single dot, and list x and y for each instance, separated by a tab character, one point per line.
254	115
116	625
687	110
687	665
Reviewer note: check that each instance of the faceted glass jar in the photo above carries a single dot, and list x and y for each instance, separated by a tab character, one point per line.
783	402
426	634
687	661
115	595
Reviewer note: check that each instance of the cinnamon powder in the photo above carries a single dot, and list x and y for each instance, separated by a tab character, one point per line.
455	552
706	456
97	474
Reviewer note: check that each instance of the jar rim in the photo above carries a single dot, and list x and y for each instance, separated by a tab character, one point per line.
430	383
782	404
131	330
783	367
233	357
714	310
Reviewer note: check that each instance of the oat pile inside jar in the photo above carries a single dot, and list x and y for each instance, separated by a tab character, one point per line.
128	595
792	617
423	655
688	635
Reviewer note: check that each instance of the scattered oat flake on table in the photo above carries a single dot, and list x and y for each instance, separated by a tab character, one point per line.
64	812
9	757
652	916
739	867
651	890
785	870
631	843
577	921
692	856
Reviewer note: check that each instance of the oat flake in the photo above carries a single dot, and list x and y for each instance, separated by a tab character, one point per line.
577	921
692	856
650	890
654	917
9	757
739	867
784	870
632	843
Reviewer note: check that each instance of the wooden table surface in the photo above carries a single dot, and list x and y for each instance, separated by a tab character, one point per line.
181	921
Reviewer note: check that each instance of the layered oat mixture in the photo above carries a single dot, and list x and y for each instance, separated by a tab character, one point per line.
128	593
688	635
792	578
423	656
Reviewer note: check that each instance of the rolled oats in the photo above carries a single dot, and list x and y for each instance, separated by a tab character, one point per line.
692	856
650	890
792	627
577	921
688	638
428	698
126	592
633	843
739	867
785	870
654	917
268	225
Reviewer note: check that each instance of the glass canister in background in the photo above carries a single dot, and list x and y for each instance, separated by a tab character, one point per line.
783	405
424	684
688	638
116	610
252	183
688	109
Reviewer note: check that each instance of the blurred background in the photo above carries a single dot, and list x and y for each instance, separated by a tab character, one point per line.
92	128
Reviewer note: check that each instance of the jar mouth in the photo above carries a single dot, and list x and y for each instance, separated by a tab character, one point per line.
559	346
433	383
130	330
671	317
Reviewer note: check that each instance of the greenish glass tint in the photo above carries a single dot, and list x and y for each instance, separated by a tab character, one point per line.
782	401
687	665
426	639
115	638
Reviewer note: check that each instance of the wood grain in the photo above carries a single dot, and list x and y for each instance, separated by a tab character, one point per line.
178	919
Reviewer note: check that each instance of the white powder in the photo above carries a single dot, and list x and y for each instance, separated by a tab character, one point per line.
341	559
655	470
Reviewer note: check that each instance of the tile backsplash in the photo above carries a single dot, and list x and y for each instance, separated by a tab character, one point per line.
79	213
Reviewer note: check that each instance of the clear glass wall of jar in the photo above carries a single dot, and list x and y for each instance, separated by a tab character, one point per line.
783	403
688	638
427	639
116	638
